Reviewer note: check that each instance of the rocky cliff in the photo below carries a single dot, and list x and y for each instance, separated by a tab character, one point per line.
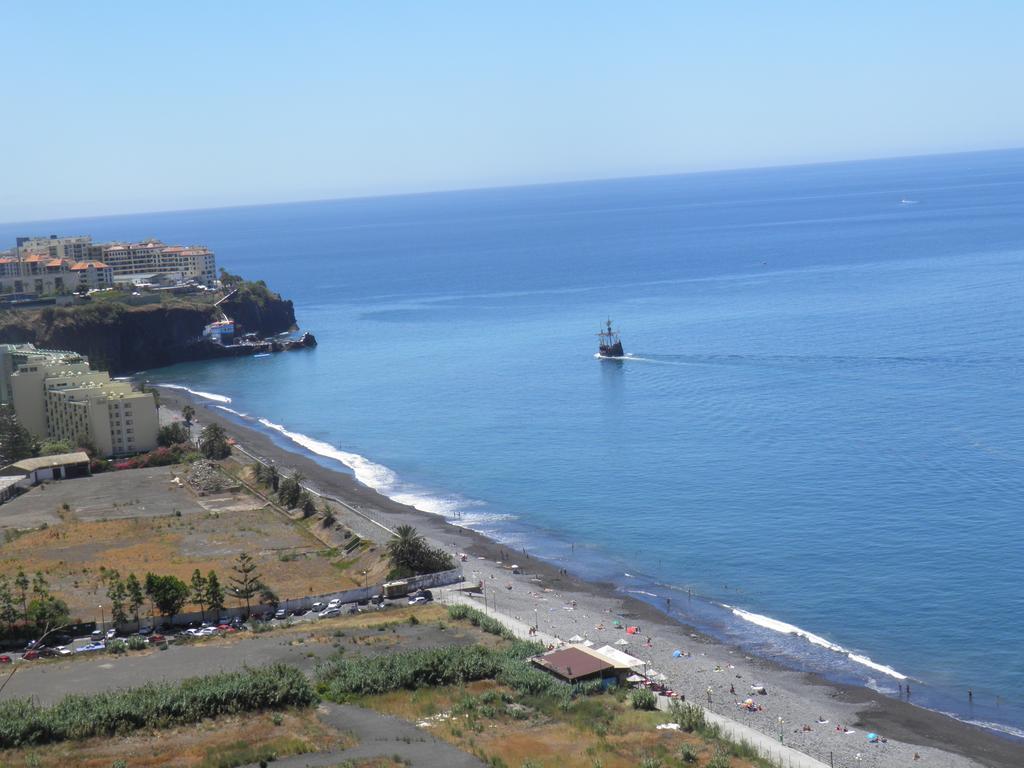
125	339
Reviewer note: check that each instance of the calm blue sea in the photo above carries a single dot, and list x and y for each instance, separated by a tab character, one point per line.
820	424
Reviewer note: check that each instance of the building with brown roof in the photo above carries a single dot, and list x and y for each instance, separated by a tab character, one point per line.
574	665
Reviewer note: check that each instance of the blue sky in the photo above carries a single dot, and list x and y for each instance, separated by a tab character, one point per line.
125	106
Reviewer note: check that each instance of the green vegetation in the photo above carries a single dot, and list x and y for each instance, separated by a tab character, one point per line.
247	582
157	705
173	434
16	443
410	554
644	699
243	753
213	442
168	593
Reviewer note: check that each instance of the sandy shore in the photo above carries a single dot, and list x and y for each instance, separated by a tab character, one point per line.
563	605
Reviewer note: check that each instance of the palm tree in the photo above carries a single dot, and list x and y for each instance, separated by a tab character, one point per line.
188	413
405	546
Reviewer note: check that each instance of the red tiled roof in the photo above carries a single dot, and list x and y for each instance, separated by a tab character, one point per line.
86	264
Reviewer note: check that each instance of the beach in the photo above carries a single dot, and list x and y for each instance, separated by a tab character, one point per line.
563	605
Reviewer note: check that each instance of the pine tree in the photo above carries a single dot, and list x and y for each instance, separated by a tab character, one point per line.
16	443
118	595
21	582
199	591
134	594
247	581
8	611
214	594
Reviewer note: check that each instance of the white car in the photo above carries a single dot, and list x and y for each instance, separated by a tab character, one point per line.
326	613
63	650
335	603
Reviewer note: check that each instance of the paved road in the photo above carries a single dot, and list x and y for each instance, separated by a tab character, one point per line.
381	736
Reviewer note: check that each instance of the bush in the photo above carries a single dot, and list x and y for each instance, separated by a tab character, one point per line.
690	717
644	699
156	705
479	619
117	647
687	754
136	643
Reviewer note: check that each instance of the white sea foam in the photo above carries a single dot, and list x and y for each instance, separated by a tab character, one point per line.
380	478
198	393
789	629
232	410
640	592
998	727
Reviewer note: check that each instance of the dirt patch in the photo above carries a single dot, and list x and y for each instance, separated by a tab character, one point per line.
75	555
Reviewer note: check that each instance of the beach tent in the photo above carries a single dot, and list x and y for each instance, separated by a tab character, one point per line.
588	643
622	641
676	653
575	639
873	738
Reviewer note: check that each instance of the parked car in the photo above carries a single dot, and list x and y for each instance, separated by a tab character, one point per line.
143	631
5	659
111	633
30	655
96	634
318	606
157	639
280	613
47	653
327	613
418	600
335	603
63	650
237	621
91	647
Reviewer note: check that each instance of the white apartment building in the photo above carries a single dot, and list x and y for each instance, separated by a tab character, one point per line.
74	248
195	262
61	398
43	275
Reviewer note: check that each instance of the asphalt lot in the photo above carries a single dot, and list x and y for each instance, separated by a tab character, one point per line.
148	492
49	680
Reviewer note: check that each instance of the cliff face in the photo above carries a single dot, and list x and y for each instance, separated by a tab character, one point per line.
125	339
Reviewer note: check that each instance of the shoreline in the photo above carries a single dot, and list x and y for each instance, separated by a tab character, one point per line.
800	696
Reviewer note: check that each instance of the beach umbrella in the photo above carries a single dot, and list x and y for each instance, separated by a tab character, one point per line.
676	653
575	639
872	737
622	641
617	623
634	678
588	643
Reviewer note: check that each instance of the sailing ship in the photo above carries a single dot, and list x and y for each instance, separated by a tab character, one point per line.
609	344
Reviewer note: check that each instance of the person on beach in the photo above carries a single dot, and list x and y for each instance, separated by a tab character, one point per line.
709	694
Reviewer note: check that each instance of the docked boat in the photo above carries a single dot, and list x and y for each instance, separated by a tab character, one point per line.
609	344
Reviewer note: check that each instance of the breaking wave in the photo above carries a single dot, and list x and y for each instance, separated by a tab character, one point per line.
789	629
198	393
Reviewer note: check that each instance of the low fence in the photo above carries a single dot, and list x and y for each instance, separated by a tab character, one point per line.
425	581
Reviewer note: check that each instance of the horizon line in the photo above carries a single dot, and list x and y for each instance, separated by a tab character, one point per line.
526	185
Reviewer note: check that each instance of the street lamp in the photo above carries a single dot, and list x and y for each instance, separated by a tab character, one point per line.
780	729
103	621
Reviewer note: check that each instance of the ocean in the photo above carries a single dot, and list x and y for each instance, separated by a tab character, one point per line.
815	447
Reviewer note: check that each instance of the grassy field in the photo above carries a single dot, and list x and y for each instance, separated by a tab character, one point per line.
222	743
137	521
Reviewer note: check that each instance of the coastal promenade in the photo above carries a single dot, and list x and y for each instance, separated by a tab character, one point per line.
766	746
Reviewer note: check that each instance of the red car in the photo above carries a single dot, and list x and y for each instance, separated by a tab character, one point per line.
226	628
30	655
156	639
5	659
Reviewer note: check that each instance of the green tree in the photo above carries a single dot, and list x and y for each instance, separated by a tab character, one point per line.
213	442
268	596
214	594
8	611
48	612
188	413
134	595
168	593
290	491
410	554
40	587
53	447
172	434
273	477
16	442
21	583
247	582
199	591
117	593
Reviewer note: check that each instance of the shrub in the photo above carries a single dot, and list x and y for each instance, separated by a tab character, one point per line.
687	754
136	643
644	699
689	716
155	705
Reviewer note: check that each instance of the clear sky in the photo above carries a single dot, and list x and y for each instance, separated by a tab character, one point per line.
131	106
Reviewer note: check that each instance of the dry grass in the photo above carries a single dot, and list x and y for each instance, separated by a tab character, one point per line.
291	560
547	736
208	743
